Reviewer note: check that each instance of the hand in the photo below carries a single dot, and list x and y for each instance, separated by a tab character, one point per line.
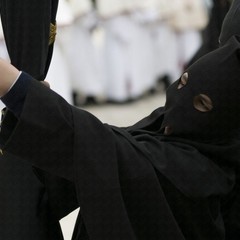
45	83
8	75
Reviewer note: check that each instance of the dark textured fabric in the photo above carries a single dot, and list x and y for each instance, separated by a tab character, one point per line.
122	192
231	23
138	183
30	209
26	27
231	204
231	213
111	192
31	201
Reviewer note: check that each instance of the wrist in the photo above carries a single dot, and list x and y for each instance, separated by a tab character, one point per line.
8	76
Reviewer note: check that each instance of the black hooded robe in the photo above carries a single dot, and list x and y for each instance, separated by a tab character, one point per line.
124	191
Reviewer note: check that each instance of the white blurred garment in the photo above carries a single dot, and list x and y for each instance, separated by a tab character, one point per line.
165	42
177	34
164	38
128	52
80	52
58	75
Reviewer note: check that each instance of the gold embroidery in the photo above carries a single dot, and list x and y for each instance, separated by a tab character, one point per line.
52	34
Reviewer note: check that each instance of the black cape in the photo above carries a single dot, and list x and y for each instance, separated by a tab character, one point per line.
132	183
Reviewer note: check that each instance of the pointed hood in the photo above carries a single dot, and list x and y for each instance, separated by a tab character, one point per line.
204	103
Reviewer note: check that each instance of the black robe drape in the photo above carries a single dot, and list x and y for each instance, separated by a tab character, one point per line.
31	201
132	183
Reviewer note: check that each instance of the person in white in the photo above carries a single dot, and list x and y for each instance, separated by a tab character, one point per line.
59	74
127	50
187	22
82	55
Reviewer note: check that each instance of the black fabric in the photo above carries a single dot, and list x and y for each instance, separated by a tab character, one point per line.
111	192
30	209
231	22
122	191
20	220
31	201
139	183
230	204
231	214
26	27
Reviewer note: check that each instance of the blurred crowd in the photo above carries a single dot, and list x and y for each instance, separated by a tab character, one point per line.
118	50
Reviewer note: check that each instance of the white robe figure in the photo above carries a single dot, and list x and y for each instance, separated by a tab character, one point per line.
59	75
165	41
189	20
126	51
166	52
144	55
163	38
82	54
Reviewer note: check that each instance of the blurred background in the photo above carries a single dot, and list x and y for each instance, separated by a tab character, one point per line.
120	51
116	58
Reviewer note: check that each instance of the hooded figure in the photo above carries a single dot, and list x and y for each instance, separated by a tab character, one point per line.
162	178
31	201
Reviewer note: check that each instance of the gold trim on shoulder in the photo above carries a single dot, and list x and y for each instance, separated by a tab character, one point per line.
53	33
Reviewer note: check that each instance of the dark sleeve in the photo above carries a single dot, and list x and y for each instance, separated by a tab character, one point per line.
14	99
49	117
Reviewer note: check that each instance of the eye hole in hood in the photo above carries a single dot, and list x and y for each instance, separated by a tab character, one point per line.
183	81
203	103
